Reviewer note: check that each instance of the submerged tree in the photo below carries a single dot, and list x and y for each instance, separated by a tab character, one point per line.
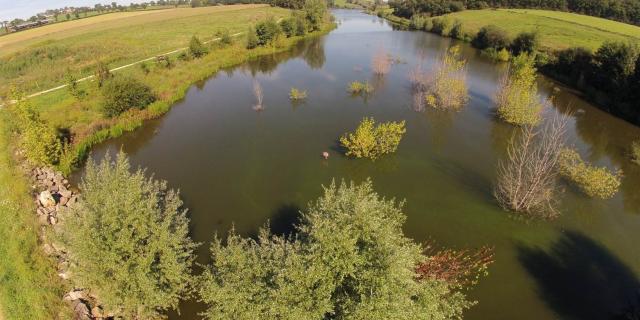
517	98
349	260
527	178
448	88
128	241
381	63
371	140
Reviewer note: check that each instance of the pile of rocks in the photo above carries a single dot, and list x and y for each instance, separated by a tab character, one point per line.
53	194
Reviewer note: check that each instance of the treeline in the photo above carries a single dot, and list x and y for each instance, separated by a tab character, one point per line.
620	10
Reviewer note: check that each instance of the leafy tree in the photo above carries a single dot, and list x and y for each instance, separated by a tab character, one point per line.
267	31
371	141
128	241
123	93
288	27
72	85
491	36
225	37
517	97
37	139
315	13
349	260
615	63
525	42
597	182
196	48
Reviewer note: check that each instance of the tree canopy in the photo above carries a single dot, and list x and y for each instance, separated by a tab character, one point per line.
349	259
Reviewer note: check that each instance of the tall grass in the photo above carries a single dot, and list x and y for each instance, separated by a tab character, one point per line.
29	286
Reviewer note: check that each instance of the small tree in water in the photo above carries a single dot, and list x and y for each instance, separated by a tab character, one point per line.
381	63
128	241
527	178
448	88
371	141
517	97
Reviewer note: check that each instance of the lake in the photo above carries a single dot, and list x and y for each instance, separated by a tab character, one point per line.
236	167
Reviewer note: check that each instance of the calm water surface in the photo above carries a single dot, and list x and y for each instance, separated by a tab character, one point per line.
238	167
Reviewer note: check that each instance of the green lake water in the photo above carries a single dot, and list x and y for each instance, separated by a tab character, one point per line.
238	167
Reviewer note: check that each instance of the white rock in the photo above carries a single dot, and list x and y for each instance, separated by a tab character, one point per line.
46	199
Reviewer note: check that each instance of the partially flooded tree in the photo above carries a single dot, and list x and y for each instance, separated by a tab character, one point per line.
448	88
527	178
517	98
381	62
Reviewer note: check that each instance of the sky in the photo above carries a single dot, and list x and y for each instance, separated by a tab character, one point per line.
11	9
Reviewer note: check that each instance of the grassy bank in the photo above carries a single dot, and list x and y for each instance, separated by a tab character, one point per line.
29	287
558	30
39	59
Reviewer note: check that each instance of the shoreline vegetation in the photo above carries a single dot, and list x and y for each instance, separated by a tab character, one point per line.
75	113
604	67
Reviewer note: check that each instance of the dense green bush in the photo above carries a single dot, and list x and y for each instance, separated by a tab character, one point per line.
597	182
525	42
38	140
128	240
349	260
196	48
440	26
123	93
315	12
517	99
491	36
371	140
501	55
457	31
267	31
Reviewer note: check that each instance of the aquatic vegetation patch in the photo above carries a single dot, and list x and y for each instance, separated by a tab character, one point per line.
596	182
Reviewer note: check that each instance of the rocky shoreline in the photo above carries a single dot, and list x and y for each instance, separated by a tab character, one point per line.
53	194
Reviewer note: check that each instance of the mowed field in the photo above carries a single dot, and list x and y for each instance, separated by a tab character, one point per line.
38	59
558	30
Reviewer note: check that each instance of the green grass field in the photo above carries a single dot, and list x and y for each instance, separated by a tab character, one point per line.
29	288
38	59
558	30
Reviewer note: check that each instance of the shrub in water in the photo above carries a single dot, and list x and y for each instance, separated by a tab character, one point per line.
501	55
196	48
527	177
123	93
359	88
128	227
371	141
297	94
491	37
448	89
517	98
596	182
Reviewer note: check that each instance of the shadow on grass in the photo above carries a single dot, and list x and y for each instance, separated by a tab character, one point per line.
580	279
